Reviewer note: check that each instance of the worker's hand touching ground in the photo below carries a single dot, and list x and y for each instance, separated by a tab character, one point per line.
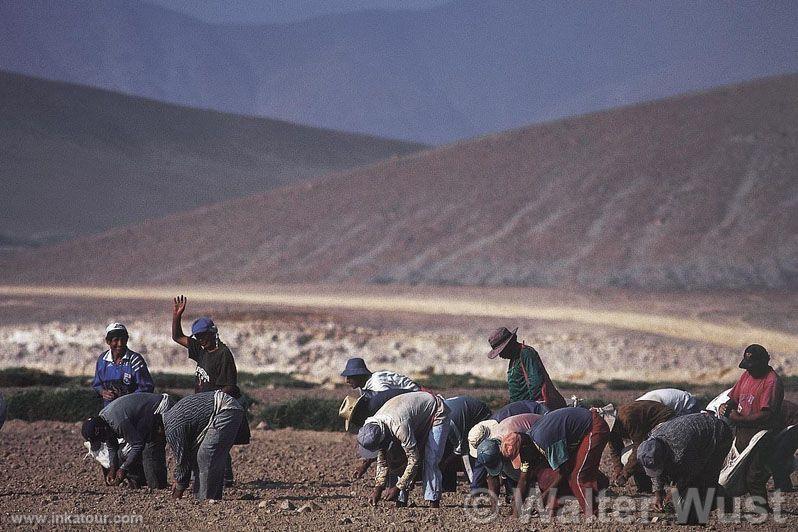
391	494
358	473
177	491
376	493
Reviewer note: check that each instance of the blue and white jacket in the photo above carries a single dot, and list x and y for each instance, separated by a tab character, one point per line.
130	375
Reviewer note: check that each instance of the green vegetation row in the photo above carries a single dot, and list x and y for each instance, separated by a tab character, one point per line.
24	377
77	403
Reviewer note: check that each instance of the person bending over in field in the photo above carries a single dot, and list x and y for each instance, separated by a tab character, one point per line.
679	401
120	371
419	422
354	410
633	421
359	377
136	418
464	413
484	440
201	429
570	442
690	451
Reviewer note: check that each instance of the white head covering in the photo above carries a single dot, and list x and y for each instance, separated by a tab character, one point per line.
479	433
113	327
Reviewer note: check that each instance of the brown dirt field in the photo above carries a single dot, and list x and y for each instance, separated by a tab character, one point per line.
44	473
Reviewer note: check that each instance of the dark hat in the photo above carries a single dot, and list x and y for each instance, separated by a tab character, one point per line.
759	356
355	366
490	456
370	436
651	455
499	340
203	325
90	426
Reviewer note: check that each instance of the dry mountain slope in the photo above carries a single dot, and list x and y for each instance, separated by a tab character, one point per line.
76	160
698	191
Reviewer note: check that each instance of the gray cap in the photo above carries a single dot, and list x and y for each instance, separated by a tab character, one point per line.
370	436
651	455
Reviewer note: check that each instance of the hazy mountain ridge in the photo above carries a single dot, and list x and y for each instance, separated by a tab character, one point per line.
694	192
76	160
459	70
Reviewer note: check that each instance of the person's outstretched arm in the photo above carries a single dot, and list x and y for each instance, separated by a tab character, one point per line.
177	316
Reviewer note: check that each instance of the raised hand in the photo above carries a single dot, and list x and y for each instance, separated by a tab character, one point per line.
180	305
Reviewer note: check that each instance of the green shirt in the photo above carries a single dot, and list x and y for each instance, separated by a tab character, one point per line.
519	388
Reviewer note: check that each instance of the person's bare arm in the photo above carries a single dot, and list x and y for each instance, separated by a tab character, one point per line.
550	495
519	494
493	489
177	316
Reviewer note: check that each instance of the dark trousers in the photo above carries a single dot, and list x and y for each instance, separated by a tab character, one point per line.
758	472
705	493
153	461
642	481
228	471
782	461
150	470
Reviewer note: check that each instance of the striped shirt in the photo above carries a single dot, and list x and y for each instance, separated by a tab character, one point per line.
183	424
694	442
387	380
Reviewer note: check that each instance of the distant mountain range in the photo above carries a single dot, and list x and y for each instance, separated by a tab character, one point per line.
459	70
77	160
692	192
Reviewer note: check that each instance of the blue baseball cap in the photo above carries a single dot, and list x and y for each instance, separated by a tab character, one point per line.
203	325
490	456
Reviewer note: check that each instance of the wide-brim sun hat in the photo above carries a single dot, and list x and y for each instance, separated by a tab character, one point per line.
354	367
500	339
351	410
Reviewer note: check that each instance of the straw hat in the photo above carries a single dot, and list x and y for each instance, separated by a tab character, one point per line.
351	410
